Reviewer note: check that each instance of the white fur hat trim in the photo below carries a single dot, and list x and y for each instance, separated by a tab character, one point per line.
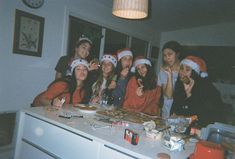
191	64
85	38
142	61
77	62
109	58
124	53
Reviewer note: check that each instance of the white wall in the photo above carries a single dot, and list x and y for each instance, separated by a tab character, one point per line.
23	77
213	35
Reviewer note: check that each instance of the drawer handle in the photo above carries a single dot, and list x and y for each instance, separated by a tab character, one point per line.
38	131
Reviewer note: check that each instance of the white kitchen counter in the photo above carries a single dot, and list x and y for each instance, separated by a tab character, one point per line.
42	134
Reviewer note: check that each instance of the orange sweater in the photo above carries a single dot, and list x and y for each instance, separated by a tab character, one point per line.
147	103
60	90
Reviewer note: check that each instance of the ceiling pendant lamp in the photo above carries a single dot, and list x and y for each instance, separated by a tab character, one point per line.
130	9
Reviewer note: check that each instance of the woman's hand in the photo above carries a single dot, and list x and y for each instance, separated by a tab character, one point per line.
112	85
167	70
188	87
124	72
93	66
58	103
139	91
95	100
194	118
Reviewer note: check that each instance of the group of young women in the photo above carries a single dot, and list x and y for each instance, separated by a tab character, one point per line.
133	85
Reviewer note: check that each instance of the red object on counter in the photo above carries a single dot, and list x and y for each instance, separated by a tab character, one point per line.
207	150
131	137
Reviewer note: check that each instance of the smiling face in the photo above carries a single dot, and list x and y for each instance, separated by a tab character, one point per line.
107	67
126	61
185	71
81	72
169	57
142	69
83	50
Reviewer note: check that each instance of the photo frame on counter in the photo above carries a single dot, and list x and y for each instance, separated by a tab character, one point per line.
28	34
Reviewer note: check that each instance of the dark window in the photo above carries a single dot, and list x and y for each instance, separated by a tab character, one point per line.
139	47
114	41
220	61
78	27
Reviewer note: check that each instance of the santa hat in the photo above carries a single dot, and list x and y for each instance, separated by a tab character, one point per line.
110	58
140	60
77	62
197	64
124	52
84	38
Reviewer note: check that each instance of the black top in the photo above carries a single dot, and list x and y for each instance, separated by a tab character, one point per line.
63	65
205	102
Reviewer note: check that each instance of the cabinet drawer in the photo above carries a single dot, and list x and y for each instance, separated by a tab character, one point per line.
58	141
27	151
110	153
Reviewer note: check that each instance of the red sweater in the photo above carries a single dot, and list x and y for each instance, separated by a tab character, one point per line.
147	103
60	90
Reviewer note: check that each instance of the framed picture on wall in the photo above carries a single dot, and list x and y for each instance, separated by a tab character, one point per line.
28	35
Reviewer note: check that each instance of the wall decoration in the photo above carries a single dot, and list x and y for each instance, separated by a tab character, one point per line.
28	36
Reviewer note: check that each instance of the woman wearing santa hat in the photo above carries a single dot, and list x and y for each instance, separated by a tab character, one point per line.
68	90
142	92
106	80
195	96
125	59
82	50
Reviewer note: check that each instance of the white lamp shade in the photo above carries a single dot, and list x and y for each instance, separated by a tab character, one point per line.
130	9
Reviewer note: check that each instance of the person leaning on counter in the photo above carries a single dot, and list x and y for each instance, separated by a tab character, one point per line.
195	96
125	60
168	74
142	92
73	89
106	80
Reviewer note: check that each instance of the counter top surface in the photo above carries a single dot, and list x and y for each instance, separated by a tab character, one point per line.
111	136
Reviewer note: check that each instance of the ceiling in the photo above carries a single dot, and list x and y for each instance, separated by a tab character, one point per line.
167	15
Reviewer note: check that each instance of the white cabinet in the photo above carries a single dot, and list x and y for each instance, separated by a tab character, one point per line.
111	153
42	134
57	141
29	152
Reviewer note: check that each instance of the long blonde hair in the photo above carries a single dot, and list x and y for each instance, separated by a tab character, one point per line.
97	85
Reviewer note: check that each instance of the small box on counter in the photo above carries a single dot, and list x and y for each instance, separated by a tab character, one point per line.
131	137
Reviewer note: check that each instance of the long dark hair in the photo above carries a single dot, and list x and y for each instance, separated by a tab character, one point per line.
72	85
175	46
179	86
149	81
119	69
85	87
77	44
97	85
